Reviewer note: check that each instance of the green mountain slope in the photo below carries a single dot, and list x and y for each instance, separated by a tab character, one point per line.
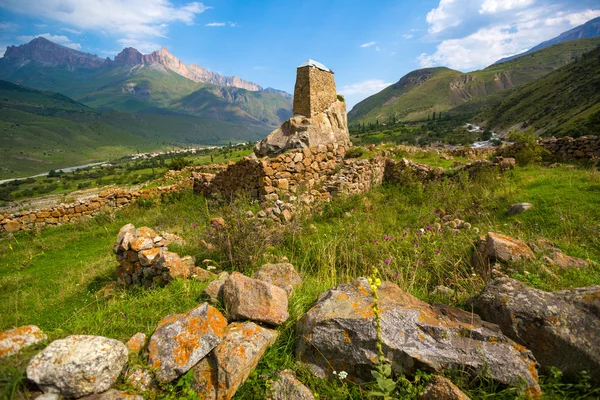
424	91
566	102
40	131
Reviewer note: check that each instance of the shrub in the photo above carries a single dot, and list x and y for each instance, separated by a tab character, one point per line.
179	163
528	149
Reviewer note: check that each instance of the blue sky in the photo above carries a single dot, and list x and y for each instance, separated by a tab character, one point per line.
369	44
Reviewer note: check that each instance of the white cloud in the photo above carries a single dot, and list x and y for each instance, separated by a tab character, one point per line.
369	44
73	31
507	37
493	6
447	15
407	36
128	20
143	46
8	26
62	40
367	87
215	24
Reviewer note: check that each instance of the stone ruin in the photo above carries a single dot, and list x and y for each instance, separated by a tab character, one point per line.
319	114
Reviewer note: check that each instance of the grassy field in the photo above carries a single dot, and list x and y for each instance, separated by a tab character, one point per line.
49	278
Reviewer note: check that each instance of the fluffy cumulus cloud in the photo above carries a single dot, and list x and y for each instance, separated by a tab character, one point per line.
60	39
499	28
139	21
367	87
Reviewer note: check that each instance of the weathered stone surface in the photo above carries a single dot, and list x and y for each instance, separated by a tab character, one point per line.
181	340
314	90
283	275
564	261
440	388
495	247
78	365
214	289
13	340
562	329
256	300
136	343
226	368
338	333
329	126
519	208
113	394
285	386
140	379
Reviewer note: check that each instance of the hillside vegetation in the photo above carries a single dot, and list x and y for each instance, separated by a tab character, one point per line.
422	92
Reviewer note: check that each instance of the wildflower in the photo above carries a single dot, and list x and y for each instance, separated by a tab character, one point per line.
422	231
342	375
428	228
194	225
437	251
396	275
185	219
211	267
419	262
387	262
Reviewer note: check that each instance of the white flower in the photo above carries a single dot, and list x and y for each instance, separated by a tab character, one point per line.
211	267
342	375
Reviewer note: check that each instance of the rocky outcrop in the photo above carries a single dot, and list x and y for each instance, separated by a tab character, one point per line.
13	340
78	365
256	300
562	329
226	368
298	132
338	333
182	340
47	53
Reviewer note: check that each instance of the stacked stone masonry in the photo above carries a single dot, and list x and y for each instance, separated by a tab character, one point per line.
563	149
314	91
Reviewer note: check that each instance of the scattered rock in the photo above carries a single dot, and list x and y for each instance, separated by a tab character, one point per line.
113	394
283	275
226	368
256	300
214	290
140	379
500	248
442	291
560	328
217	223
440	388
338	332
519	208
13	340
78	365
181	340
136	343
285	386
48	396
564	261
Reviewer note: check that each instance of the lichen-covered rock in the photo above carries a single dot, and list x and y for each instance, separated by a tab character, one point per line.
136	342
283	275
440	388
78	365
214	289
562	329
285	386
495	247
338	333
226	368
139	378
13	340
181	340
255	300
113	394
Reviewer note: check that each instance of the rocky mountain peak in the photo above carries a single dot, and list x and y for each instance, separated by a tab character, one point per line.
129	56
48	53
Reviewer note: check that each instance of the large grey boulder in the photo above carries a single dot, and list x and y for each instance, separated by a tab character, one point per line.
78	365
181	340
562	329
338	332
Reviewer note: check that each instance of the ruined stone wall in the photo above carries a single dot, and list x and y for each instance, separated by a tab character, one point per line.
562	149
77	211
314	91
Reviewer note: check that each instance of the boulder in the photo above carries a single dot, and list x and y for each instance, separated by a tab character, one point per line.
519	208
285	386
298	132
181	340
78	365
562	329
564	261
338	333
113	394
256	300
440	388
139	378
495	247
226	368
13	340
214	289
136	343
283	275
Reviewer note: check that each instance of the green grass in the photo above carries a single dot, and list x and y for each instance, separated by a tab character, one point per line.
49	278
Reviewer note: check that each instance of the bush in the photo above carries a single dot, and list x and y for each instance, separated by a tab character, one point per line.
528	149
179	163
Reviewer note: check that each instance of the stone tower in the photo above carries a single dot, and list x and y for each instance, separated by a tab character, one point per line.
315	89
